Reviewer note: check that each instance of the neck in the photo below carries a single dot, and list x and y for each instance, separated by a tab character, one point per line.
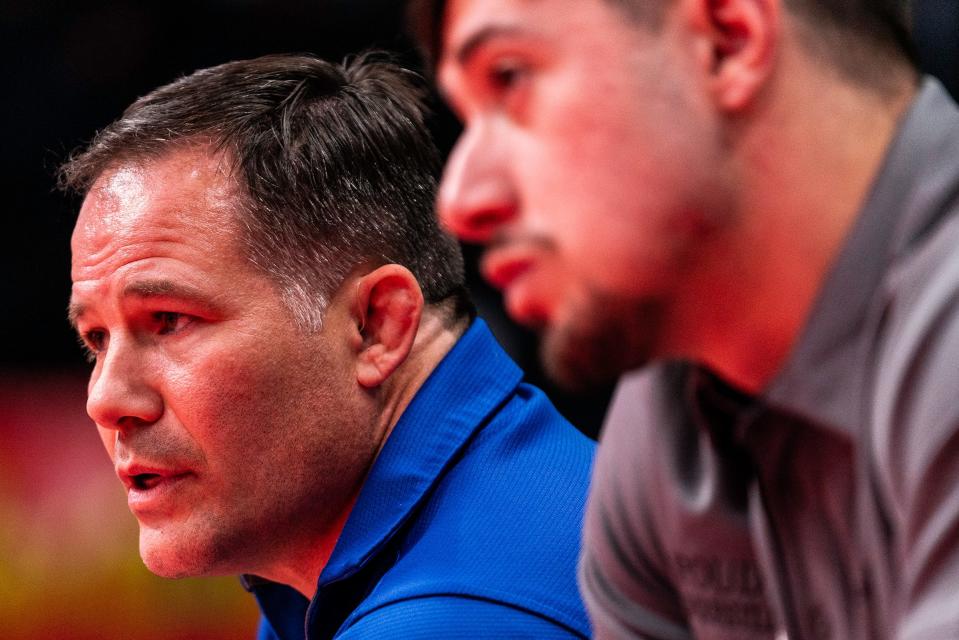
302	567
806	160
435	336
434	339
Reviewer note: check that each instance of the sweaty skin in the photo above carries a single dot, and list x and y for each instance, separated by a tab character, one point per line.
226	423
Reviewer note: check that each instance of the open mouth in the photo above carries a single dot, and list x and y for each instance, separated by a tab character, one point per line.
146	480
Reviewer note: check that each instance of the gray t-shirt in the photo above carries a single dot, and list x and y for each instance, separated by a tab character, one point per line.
827	508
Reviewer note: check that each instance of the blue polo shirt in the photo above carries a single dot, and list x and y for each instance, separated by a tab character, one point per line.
468	525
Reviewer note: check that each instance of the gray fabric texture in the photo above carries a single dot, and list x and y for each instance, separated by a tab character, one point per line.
827	508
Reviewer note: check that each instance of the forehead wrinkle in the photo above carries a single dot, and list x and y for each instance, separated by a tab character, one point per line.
158	184
115	196
111	226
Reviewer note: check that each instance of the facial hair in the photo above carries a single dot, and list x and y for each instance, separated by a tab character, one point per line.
600	338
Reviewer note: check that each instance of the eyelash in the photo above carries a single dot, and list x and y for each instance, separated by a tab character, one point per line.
92	341
505	74
163	318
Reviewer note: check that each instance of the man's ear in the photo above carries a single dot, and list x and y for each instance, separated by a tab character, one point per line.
742	38
388	304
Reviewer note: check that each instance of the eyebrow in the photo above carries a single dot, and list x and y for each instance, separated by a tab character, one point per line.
161	289
74	311
144	289
466	50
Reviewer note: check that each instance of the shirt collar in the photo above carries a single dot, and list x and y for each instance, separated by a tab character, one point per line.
822	379
474	378
468	385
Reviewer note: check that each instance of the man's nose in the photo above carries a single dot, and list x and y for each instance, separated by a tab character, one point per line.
476	195
121	395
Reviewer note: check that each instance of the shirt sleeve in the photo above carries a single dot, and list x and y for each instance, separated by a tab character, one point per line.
453	617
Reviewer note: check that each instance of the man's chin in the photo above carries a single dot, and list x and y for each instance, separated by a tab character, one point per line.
599	342
575	366
171	556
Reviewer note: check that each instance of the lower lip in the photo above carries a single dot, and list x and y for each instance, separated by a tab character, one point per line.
159	497
522	300
522	274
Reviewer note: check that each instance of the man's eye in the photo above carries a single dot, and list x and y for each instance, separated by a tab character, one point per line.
93	343
506	74
170	321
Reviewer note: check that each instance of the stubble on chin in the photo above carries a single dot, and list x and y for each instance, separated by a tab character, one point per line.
599	339
198	548
184	559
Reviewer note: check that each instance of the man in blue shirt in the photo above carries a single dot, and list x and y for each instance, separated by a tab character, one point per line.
288	375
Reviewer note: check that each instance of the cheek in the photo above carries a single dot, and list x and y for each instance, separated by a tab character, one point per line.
236	407
213	394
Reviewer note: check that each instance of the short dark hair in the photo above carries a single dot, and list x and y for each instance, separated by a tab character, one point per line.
878	27
860	38
334	161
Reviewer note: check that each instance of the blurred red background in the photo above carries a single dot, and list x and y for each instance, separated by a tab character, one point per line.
69	566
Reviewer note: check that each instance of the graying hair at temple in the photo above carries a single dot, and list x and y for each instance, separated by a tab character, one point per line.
334	161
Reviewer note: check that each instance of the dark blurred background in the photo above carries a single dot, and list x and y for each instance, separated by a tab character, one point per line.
68	561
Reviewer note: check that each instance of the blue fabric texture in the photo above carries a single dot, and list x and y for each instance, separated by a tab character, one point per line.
468	525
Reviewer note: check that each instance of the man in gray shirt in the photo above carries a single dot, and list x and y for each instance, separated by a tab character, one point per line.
758	202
